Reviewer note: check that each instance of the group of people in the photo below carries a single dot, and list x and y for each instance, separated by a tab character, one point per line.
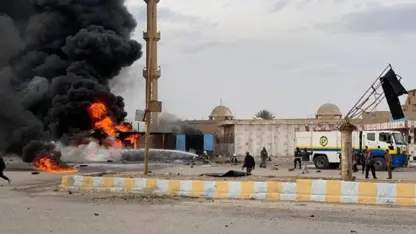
249	162
303	157
367	162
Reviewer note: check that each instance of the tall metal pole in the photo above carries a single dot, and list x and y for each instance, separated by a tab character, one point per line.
150	73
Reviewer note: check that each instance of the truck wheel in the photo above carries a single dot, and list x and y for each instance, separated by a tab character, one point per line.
321	162
380	164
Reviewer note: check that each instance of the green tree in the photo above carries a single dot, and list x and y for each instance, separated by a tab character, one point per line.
264	114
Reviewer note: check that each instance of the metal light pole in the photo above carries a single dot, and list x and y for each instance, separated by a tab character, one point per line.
151	73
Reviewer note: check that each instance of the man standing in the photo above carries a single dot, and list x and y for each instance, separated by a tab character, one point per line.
264	156
388	163
369	164
249	163
2	167
355	161
363	160
305	160
298	158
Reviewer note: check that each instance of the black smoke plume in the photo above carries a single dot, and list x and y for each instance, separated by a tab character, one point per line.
56	58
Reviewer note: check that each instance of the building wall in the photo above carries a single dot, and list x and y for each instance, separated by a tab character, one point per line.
206	126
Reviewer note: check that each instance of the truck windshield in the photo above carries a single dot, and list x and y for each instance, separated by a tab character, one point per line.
398	138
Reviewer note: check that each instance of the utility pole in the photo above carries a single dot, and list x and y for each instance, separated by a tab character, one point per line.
151	73
346	151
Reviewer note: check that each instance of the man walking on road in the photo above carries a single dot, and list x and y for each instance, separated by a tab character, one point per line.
2	167
388	163
366	151
298	158
249	163
369	164
305	160
264	156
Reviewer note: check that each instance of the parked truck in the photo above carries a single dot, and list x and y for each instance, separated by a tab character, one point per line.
325	147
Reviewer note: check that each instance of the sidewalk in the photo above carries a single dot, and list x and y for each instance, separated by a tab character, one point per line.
265	174
266	184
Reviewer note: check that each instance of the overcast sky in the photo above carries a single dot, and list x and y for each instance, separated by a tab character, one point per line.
287	56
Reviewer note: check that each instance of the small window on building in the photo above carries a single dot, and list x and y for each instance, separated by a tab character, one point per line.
371	137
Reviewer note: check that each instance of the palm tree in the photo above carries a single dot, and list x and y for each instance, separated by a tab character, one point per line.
264	114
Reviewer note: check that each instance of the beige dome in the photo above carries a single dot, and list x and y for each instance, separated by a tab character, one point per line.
329	109
221	111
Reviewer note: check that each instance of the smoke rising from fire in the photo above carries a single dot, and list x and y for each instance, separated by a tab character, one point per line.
56	58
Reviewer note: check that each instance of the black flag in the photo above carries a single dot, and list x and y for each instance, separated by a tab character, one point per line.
392	90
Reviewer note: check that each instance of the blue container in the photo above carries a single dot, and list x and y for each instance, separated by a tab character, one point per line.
209	142
181	142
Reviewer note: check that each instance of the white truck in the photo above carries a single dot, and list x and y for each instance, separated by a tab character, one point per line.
325	147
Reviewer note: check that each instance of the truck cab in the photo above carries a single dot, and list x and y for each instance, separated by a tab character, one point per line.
379	141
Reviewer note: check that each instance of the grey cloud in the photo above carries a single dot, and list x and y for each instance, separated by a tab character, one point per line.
166	14
382	19
278	5
200	46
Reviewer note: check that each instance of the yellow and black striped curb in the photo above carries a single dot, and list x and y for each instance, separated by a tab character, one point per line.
330	191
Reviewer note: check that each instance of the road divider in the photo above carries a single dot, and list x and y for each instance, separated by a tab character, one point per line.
302	190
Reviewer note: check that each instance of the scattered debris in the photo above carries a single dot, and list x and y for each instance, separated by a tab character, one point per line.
35	173
69	192
192	166
312	216
226	225
83	165
291	169
318	171
110	161
96	214
353	231
275	167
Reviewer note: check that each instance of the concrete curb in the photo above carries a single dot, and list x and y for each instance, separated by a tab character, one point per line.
303	190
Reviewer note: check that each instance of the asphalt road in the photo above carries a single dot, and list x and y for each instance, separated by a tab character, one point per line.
31	206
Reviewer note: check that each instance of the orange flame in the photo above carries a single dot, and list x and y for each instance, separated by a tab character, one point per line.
44	163
100	119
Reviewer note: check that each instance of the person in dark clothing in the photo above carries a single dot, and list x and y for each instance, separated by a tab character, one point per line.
298	158
366	151
369	164
264	155
305	159
355	159
2	167
388	164
249	163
